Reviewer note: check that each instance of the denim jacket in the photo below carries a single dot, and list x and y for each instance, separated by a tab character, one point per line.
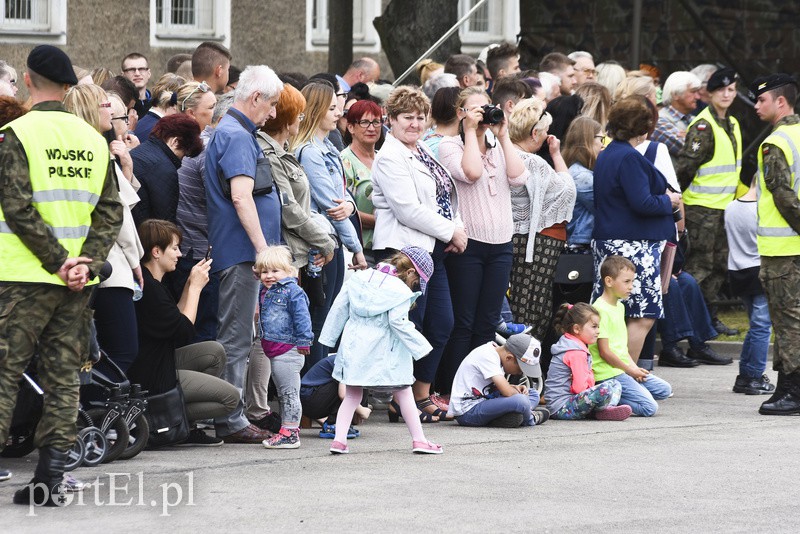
284	315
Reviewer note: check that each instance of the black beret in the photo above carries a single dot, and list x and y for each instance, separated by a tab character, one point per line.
763	84
53	64
721	78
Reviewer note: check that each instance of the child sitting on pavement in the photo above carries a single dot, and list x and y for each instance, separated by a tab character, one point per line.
481	394
610	355
286	337
571	389
321	396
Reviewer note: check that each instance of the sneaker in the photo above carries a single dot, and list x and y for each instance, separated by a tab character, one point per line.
4	474
441	401
339	448
753	386
509	329
329	431
426	447
285	439
540	415
249	434
72	484
614	413
198	438
271	421
509	420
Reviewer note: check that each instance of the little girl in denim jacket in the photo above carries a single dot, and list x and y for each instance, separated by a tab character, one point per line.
286	337
571	391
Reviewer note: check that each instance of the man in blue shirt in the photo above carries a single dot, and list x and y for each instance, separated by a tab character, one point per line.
241	222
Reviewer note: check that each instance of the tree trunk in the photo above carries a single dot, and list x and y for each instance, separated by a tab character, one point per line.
340	35
407	29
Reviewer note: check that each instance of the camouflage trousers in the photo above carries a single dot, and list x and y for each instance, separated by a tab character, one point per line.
52	322
780	277
707	259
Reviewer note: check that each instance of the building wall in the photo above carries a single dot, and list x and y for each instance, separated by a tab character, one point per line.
101	32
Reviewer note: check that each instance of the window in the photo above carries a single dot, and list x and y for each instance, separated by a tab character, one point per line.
187	23
494	21
365	38
33	21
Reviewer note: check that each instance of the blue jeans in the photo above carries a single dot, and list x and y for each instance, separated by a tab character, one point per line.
753	361
685	314
490	409
478	281
642	396
433	317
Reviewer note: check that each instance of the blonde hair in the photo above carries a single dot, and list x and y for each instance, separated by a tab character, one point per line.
402	263
425	68
637	83
165	86
468	92
84	101
191	93
318	99
528	115
596	101
275	257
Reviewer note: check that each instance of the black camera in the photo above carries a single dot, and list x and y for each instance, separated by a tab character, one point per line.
492	114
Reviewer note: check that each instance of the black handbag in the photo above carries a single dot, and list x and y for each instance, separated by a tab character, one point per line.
166	413
573	278
263	181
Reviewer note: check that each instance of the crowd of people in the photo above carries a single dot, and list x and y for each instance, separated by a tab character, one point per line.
218	194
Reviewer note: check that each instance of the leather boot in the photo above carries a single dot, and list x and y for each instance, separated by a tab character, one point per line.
45	488
786	400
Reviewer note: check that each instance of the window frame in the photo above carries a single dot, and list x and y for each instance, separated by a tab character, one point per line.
190	36
54	32
365	37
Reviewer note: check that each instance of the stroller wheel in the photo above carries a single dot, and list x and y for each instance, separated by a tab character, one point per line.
75	455
139	433
116	432
96	446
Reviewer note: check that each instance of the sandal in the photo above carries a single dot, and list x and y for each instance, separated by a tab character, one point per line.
437	412
426	447
424	417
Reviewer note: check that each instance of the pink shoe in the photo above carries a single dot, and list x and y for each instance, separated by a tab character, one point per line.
441	401
614	413
426	447
339	448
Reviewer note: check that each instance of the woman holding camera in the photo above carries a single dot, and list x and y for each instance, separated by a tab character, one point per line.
484	168
633	214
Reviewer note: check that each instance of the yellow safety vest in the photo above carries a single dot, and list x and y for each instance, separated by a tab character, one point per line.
774	235
67	165
715	183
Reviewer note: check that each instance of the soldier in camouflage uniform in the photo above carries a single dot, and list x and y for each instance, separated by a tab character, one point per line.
59	216
708	167
777	234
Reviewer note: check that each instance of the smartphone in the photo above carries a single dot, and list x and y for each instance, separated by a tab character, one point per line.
208	252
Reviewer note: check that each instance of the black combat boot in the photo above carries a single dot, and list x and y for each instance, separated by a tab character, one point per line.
786	400
45	488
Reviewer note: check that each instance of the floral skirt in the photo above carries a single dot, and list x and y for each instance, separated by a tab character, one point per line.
645	300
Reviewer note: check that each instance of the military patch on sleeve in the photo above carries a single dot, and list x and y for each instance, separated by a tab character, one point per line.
701	127
765	150
2	137
695	145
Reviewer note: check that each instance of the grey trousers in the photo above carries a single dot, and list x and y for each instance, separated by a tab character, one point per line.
238	296
199	368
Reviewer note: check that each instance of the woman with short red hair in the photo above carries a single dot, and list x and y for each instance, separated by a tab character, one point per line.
156	162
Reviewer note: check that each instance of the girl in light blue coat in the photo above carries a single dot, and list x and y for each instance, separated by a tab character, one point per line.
379	344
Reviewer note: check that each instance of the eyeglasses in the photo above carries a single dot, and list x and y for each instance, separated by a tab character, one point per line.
601	137
202	86
375	123
123	118
588	71
131	70
344	94
301	117
105	104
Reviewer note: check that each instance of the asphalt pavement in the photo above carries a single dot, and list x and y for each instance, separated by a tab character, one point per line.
707	462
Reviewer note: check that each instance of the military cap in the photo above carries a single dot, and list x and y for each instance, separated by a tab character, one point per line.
721	78
762	84
53	64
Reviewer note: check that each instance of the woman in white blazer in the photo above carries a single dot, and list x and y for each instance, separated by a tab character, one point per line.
416	204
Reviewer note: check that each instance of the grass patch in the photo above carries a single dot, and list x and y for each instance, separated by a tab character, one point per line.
736	317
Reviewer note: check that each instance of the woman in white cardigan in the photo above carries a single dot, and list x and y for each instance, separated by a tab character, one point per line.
416	204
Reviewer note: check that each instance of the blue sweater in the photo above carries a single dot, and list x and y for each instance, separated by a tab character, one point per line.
630	197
